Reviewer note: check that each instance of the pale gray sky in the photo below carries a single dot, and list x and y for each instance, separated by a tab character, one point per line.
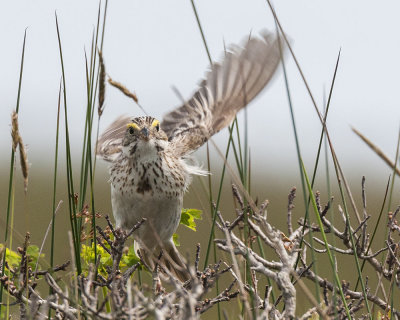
151	45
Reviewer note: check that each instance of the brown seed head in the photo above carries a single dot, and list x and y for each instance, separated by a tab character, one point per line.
123	89
102	84
17	141
14	130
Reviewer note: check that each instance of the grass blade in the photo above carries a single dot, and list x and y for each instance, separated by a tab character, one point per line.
11	176
55	182
71	195
378	151
321	227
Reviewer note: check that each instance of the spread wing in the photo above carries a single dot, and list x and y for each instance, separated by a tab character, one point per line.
109	145
228	87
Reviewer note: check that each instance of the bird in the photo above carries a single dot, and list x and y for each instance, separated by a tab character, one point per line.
151	162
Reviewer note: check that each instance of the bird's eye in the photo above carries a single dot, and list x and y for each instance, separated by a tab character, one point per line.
156	124
132	127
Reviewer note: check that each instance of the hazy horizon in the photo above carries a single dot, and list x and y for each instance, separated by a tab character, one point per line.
150	48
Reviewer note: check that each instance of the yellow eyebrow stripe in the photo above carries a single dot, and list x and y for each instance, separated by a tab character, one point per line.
155	123
133	125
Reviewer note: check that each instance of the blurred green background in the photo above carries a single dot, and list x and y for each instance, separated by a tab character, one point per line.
33	211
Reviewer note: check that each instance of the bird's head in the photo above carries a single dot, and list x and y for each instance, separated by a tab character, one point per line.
144	137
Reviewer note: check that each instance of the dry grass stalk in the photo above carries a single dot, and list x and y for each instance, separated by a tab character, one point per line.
184	301
17	141
377	150
102	84
168	298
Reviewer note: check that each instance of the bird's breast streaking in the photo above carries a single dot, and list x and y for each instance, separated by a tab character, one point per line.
149	164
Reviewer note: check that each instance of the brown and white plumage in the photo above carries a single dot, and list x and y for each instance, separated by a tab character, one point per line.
228	87
149	169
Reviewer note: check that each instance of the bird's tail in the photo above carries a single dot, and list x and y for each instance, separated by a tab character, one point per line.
171	259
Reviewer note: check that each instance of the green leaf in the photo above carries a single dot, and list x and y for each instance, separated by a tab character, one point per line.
188	216
12	258
130	258
175	239
33	252
87	254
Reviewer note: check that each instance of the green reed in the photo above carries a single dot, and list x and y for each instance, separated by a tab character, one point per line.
10	198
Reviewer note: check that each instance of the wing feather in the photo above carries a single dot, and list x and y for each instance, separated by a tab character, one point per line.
228	87
109	145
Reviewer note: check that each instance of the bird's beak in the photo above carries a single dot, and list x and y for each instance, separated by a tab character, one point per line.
145	133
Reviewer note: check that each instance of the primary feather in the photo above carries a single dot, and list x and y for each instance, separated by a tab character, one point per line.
228	86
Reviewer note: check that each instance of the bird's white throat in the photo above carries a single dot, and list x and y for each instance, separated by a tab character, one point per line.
145	151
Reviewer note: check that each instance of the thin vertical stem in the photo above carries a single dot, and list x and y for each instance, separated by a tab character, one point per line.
11	176
55	182
71	194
